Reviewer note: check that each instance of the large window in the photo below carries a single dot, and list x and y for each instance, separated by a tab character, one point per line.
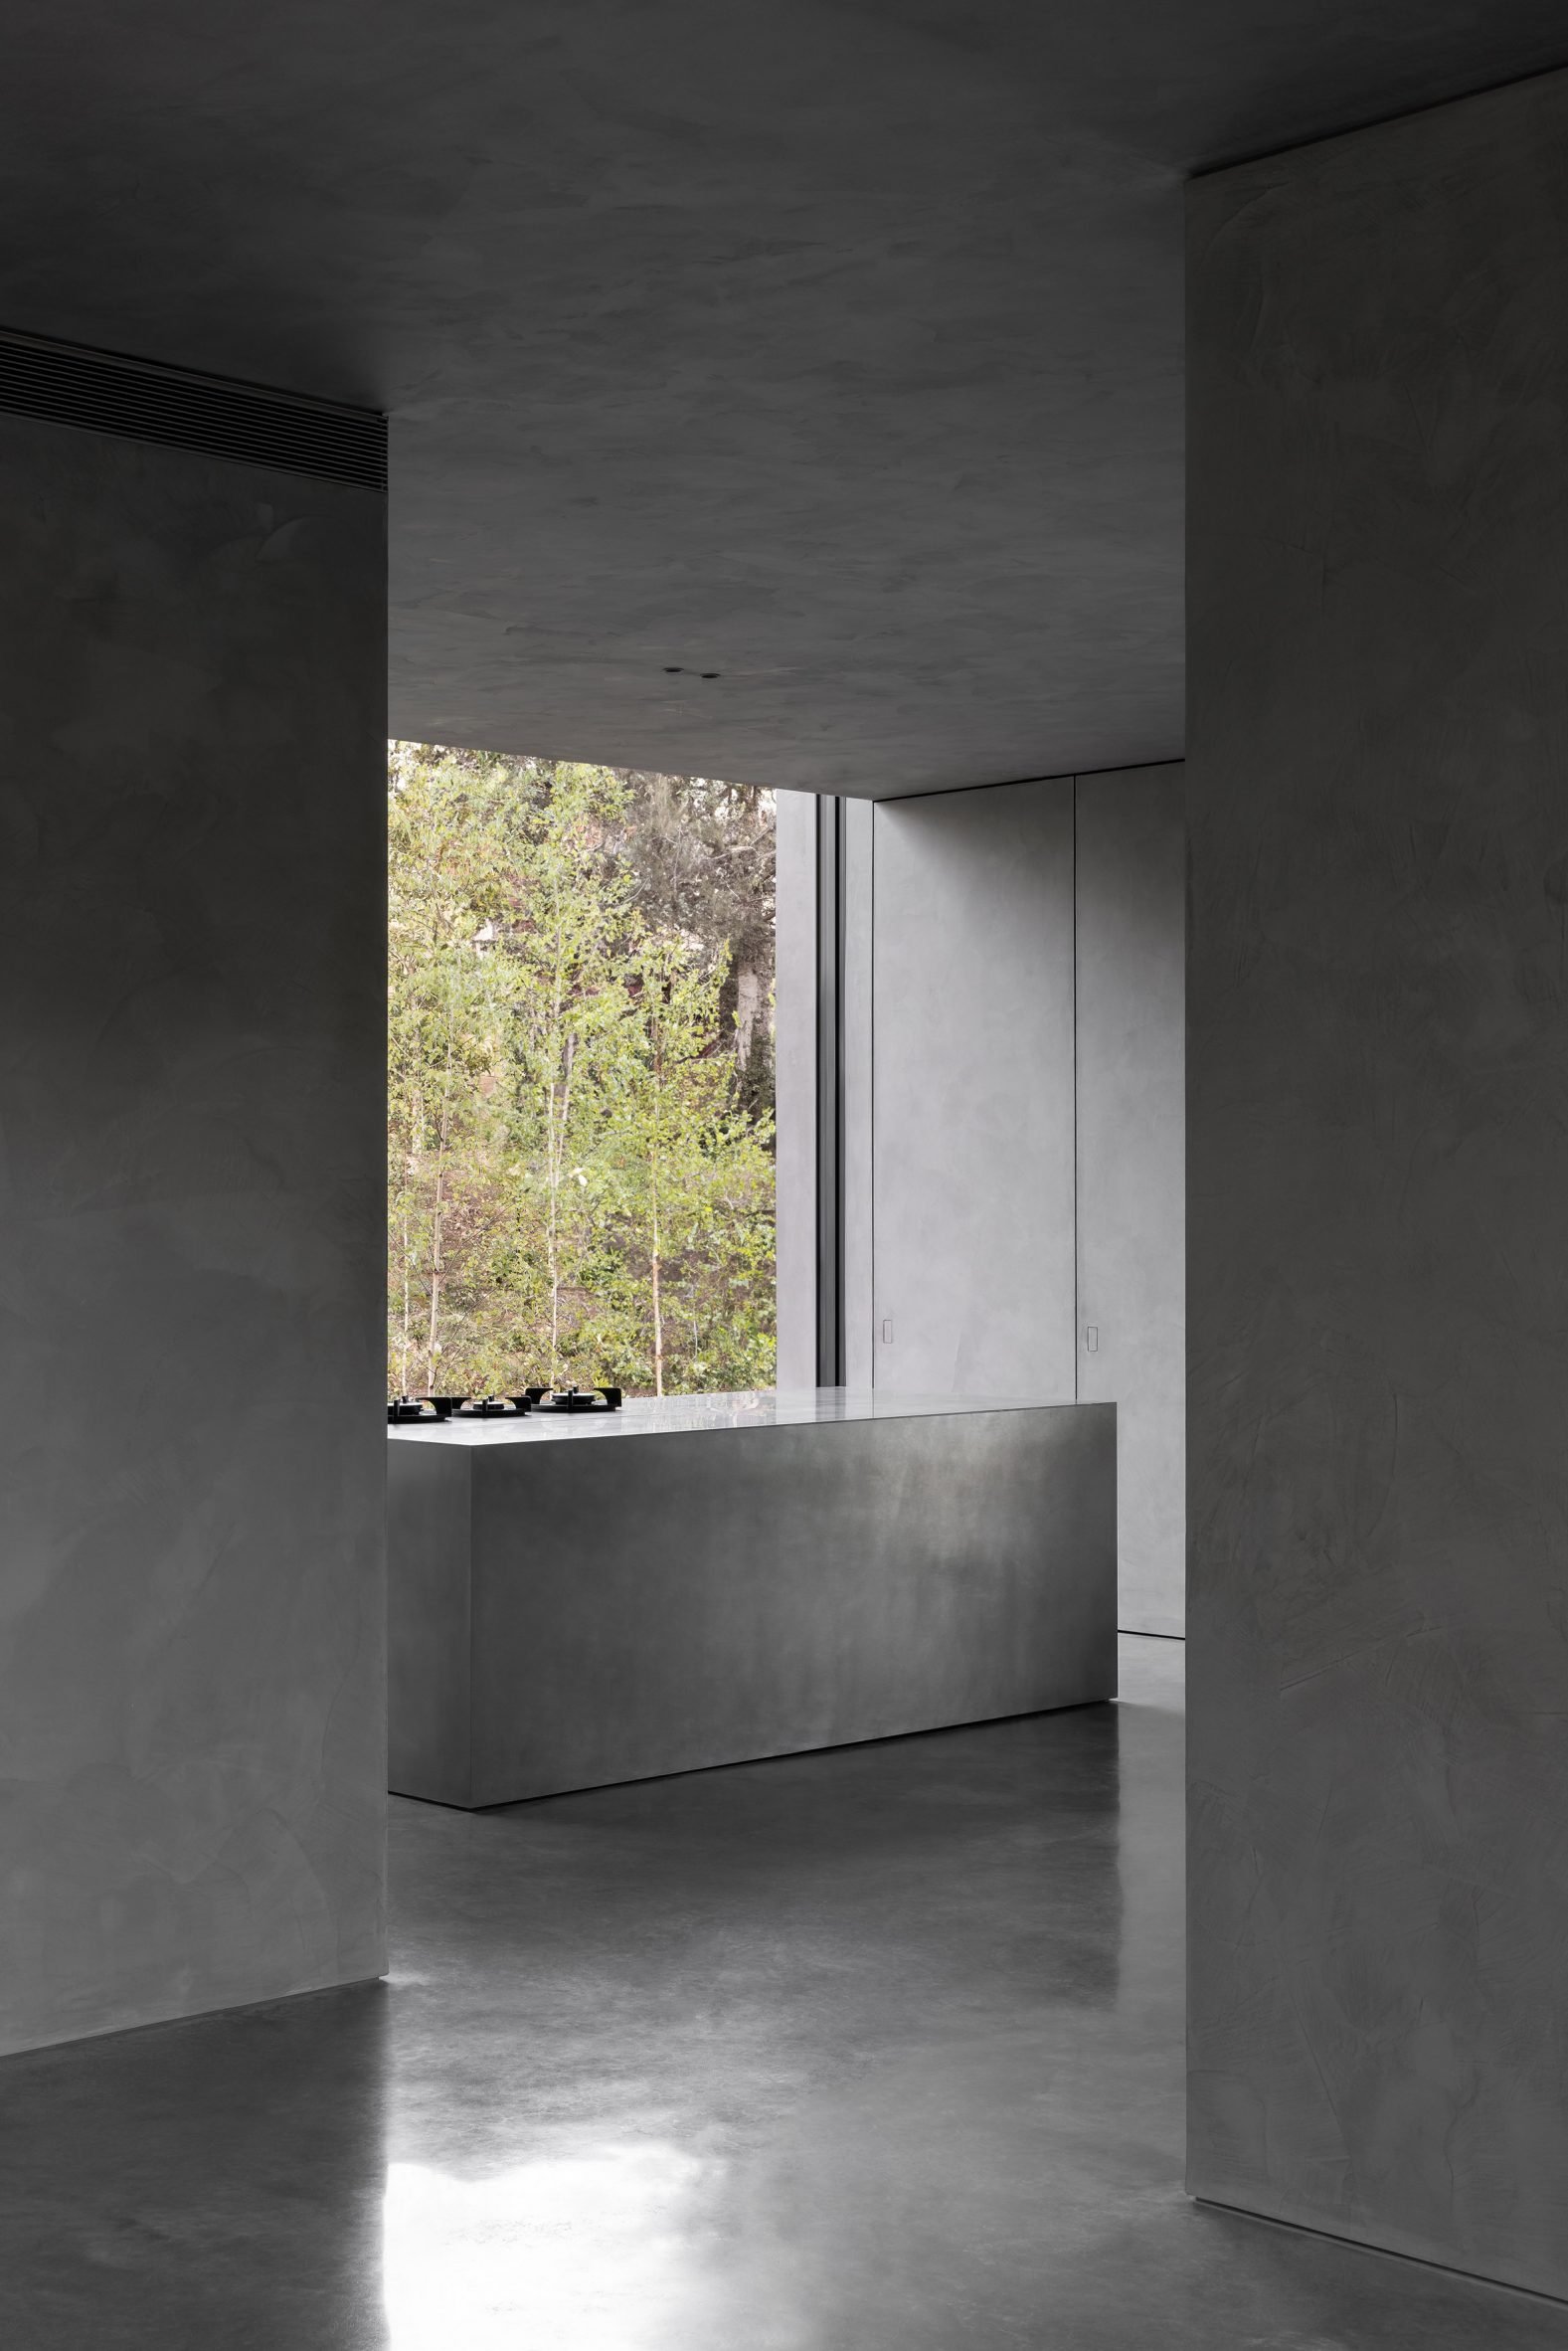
581	1106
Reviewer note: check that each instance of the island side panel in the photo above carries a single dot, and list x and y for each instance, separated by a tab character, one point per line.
668	1602
429	1620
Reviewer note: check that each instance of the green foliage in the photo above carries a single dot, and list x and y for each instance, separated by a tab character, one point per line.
579	1122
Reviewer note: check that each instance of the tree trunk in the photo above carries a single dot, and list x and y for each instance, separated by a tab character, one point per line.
407	1340
658	1308
654	1198
433	1335
556	1171
747	1014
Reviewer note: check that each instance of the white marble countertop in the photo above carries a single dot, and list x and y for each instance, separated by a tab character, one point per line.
648	1416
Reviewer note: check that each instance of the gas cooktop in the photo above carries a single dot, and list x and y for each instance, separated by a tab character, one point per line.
406	1411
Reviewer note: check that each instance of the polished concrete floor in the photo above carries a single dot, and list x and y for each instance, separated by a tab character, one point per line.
870	2050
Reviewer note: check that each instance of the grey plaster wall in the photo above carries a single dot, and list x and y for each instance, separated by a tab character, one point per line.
1130	881
192	1706
972	1092
1378	1172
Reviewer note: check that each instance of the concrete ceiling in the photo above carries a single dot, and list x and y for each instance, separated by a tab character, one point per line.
831	345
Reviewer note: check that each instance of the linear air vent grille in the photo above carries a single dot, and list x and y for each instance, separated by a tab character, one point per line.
135	398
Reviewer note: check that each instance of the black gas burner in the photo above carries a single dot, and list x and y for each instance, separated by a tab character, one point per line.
572	1398
408	1412
432	1412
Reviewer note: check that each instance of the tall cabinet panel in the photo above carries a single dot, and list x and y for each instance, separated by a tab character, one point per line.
1132	1120
972	1092
1026	1203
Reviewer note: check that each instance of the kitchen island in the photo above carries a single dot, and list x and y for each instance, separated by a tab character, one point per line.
577	1600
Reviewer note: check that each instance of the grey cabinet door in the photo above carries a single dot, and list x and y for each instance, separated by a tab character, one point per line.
1131	1178
973	1093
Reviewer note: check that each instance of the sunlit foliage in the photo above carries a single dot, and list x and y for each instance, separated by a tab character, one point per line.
579	1127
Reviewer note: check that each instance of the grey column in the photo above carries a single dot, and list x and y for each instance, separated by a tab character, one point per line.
1378	1170
192	1233
809	1034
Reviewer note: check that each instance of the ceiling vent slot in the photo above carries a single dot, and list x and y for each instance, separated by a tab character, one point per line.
63	384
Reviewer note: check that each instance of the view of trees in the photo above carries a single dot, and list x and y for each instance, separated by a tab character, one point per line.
580	1128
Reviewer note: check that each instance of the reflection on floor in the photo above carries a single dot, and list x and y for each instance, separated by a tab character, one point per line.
871	2051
